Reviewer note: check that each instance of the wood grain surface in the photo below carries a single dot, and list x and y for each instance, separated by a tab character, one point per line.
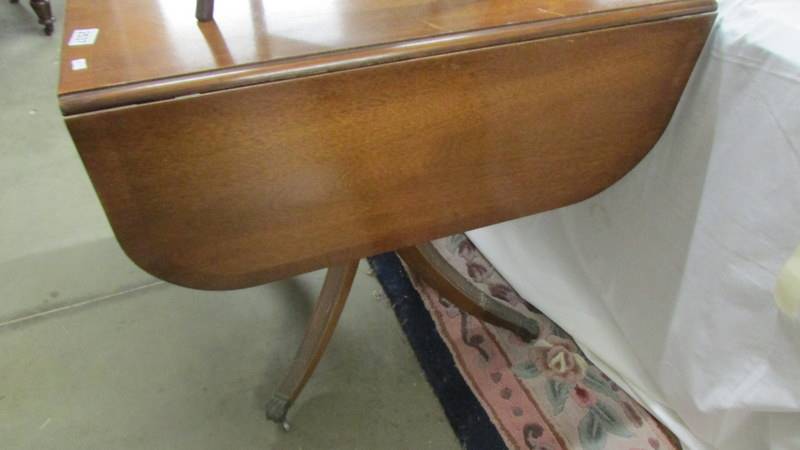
244	186
154	49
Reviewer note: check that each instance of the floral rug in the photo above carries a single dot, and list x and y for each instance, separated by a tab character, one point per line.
499	392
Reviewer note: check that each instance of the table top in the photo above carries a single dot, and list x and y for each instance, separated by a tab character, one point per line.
285	137
147	43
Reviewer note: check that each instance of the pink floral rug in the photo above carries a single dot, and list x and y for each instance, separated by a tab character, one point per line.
542	395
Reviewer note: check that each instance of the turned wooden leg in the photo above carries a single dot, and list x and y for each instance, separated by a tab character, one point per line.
44	13
323	321
427	264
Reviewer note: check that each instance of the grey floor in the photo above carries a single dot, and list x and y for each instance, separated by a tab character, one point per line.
96	354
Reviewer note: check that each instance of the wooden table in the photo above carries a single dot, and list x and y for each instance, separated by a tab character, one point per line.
283	137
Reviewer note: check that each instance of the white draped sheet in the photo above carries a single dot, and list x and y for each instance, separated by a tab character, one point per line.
667	278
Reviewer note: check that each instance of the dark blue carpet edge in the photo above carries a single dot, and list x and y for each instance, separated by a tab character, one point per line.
467	417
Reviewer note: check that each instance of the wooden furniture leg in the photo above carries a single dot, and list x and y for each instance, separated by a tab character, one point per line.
427	264
45	14
323	321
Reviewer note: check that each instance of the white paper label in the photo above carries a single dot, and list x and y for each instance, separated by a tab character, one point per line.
79	64
85	36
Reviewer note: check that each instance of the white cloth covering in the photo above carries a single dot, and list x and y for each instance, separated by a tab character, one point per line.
667	278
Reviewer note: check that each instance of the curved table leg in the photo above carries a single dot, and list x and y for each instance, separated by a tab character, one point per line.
426	263
323	322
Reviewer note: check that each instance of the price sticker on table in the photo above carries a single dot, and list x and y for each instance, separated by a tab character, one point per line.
83	36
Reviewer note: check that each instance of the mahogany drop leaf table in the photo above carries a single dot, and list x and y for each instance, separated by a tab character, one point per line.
283	137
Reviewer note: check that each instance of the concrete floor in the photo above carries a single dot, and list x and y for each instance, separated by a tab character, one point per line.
96	354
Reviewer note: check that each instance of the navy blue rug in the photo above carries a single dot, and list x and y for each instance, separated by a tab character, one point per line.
472	426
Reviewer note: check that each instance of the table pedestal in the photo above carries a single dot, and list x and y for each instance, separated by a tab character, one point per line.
426	265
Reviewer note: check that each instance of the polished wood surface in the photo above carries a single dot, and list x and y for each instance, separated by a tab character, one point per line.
282	69
147	40
243	186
